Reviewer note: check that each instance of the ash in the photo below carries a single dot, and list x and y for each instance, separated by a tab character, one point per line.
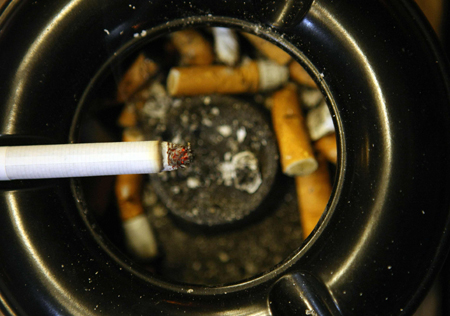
241	171
235	151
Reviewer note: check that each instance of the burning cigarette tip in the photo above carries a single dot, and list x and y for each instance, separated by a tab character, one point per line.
179	156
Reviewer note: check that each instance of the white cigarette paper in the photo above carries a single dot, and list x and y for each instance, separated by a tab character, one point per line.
226	45
95	159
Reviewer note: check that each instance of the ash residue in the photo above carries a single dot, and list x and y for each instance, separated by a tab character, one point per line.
236	158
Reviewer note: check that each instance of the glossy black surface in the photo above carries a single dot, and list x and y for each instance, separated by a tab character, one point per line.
384	236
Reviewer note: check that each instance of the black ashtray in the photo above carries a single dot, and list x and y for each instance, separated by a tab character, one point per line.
235	165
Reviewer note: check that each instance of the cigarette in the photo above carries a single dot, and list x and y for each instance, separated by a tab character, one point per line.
142	70
226	45
300	75
249	78
268	49
193	48
98	159
319	121
297	157
327	147
313	193
139	236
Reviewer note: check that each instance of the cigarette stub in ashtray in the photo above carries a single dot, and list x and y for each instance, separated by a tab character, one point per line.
313	193
297	157
319	121
268	49
137	75
193	47
327	147
250	77
97	159
300	75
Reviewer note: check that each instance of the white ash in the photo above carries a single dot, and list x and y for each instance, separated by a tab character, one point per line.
241	171
207	100
207	122
215	111
241	134
193	183
225	130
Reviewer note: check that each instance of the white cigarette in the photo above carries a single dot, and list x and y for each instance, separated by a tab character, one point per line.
97	159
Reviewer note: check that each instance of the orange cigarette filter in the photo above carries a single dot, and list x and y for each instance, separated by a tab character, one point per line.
296	154
327	147
268	49
250	77
193	48
142	70
313	193
300	75
129	186
213	79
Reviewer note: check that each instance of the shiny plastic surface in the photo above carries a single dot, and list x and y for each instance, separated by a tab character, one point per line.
384	235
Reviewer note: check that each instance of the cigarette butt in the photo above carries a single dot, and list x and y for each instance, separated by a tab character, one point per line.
193	48
327	147
319	121
268	49
226	45
313	193
139	236
136	76
128	117
128	193
128	186
249	78
296	153
300	75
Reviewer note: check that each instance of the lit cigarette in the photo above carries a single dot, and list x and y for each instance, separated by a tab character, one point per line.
193	48
268	49
313	193
327	147
136	76
249	78
296	153
83	160
300	75
139	235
